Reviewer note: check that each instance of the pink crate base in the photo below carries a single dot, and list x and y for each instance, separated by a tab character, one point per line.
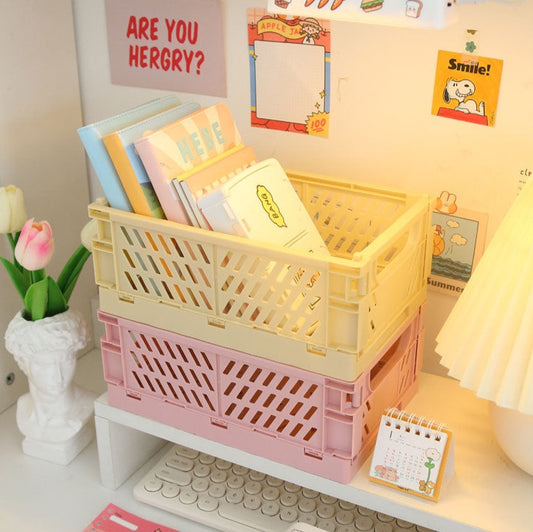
327	466
306	420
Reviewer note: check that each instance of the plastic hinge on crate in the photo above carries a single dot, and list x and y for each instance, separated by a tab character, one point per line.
219	423
127	298
313	454
216	322
134	395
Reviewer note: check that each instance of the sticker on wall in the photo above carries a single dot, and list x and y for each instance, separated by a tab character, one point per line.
410	13
289	72
467	87
458	242
173	45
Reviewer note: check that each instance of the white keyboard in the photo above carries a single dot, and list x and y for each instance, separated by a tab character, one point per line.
232	498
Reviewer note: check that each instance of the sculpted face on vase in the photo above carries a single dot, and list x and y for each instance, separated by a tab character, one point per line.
55	409
50	379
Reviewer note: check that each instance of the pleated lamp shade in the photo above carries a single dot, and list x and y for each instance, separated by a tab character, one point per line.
487	341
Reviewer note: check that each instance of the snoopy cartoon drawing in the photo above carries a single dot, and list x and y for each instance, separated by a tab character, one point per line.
460	90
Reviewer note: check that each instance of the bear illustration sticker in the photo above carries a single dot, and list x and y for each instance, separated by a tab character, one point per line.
467	87
458	243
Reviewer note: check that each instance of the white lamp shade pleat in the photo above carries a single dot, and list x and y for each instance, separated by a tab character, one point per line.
487	341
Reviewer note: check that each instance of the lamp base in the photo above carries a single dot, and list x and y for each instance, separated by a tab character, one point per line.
514	433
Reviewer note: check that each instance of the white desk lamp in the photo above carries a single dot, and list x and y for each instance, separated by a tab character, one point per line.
487	340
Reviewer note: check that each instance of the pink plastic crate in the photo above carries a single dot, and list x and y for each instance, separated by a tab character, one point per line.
318	424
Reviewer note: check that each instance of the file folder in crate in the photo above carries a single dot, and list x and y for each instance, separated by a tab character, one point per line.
328	314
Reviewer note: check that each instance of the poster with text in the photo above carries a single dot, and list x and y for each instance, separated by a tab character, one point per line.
289	72
467	87
173	45
458	243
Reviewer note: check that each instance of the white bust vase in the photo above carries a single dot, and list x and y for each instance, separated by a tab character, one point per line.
56	416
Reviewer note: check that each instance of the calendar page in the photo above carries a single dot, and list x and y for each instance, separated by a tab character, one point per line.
410	454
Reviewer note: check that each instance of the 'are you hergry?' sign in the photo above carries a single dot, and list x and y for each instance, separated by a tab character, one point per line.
173	45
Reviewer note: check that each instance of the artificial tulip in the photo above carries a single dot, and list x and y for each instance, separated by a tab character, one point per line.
35	245
12	209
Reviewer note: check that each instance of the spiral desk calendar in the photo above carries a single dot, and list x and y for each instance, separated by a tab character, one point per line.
412	454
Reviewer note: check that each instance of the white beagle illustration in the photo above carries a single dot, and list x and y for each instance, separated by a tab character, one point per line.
460	90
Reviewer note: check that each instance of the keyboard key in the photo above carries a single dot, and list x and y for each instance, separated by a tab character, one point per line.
235	496
200	484
271	494
344	517
252	502
217	490
289	515
235	481
170	491
328	525
239	470
253	487
270	508
218	476
153	485
345	505
188	496
364	523
307	505
201	470
181	463
207	504
383	517
274	482
186	452
256	475
309	518
224	465
292	488
309	494
289	499
206	459
328	499
383	527
174	476
325	511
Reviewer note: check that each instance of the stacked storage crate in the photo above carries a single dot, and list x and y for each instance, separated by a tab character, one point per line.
280	353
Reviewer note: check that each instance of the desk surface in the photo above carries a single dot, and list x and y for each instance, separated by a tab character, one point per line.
487	491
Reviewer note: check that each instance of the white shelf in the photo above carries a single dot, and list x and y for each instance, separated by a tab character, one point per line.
487	491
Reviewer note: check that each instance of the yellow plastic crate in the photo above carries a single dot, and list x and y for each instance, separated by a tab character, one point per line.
327	314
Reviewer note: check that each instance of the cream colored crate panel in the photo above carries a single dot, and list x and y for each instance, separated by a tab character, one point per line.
316	310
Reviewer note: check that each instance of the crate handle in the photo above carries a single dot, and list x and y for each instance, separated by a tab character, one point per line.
410	219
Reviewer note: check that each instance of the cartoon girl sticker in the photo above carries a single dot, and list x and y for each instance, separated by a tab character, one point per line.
311	30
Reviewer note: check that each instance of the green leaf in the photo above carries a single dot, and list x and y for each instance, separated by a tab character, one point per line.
70	273
20	280
36	300
56	300
71	264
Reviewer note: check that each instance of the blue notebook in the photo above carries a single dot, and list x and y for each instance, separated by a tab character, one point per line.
92	135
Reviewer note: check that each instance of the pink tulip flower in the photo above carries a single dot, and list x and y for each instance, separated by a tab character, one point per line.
35	245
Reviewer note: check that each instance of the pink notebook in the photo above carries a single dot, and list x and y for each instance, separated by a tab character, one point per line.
115	519
179	147
206	178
